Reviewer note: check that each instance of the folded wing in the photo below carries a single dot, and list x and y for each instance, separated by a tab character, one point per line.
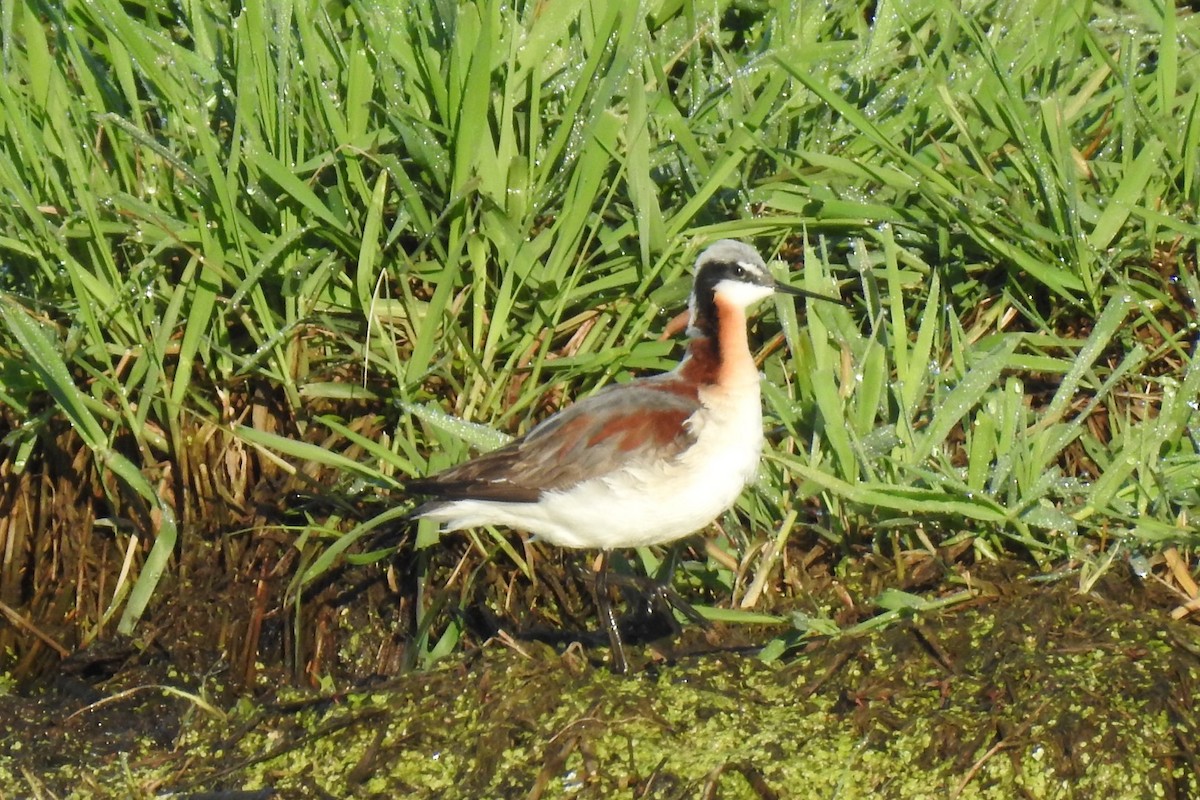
631	424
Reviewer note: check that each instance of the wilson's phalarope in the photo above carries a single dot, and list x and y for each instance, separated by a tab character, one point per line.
639	463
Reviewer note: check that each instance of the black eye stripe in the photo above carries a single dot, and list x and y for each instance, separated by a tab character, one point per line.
713	272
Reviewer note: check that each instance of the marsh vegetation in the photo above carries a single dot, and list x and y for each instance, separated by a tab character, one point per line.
259	265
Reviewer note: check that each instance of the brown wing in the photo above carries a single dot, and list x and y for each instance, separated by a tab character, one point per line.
633	422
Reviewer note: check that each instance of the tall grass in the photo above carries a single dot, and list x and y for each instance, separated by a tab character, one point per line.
476	211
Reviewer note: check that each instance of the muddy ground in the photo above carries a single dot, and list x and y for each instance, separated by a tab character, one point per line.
1021	688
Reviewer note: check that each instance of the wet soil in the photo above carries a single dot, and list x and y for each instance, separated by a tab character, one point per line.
1019	688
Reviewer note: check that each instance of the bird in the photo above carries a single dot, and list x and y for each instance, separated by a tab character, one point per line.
640	463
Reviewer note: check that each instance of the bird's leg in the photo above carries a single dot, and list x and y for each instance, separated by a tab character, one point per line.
661	597
667	596
609	619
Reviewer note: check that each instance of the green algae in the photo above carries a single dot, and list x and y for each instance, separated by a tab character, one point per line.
1040	693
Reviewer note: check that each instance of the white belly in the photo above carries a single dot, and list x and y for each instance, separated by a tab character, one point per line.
644	503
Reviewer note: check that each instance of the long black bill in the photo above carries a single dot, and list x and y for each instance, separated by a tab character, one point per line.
792	290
